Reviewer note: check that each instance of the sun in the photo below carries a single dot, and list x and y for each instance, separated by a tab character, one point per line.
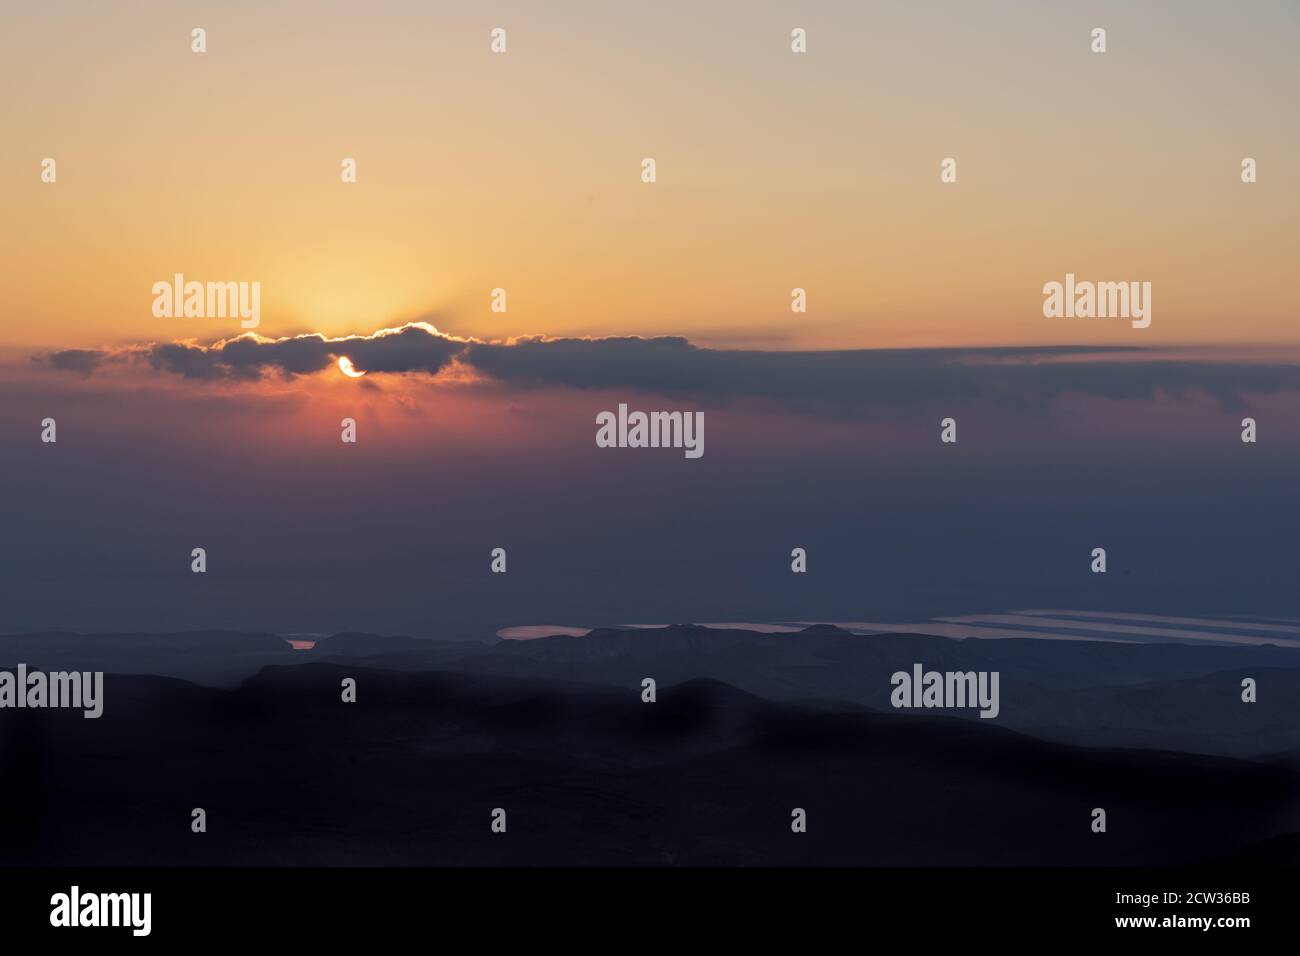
347	368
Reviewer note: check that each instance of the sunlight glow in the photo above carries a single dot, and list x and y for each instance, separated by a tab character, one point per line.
347	368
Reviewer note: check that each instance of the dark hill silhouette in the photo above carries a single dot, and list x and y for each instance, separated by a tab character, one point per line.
709	774
354	643
218	658
1104	694
1203	714
1114	694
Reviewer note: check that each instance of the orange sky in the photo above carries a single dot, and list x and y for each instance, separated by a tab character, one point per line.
775	170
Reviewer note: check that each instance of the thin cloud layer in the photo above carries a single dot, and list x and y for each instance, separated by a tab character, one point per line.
816	382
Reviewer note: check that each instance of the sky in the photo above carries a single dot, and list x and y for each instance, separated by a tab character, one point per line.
522	171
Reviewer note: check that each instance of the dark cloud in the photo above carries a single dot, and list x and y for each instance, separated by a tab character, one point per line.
81	361
846	381
668	363
191	361
411	348
301	355
823	382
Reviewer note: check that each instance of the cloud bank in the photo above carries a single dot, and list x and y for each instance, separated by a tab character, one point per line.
813	381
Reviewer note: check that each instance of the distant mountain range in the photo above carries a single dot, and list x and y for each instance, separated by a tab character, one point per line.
707	775
1185	697
746	728
1173	696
